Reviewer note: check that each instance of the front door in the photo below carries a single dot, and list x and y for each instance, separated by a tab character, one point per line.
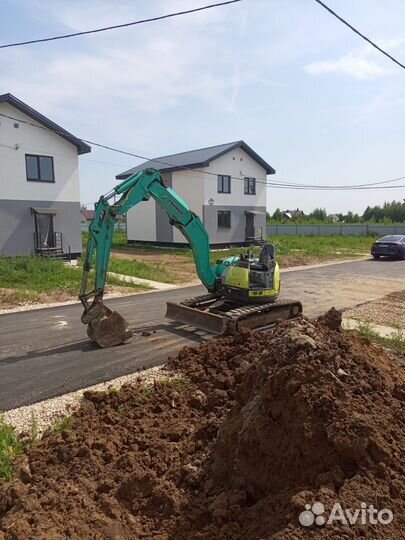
44	231
250	226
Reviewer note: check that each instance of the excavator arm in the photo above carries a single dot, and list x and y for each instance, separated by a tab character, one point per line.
104	326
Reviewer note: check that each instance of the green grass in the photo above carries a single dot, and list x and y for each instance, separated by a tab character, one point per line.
140	269
62	425
38	274
29	277
394	341
336	245
321	246
10	446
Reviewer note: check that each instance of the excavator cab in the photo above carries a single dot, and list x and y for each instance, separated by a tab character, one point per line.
253	280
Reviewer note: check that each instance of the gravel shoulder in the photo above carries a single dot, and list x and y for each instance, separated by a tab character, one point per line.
386	311
40	416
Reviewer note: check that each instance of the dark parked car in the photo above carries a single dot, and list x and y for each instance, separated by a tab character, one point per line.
389	246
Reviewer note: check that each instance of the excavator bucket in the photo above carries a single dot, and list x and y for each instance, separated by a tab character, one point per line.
108	328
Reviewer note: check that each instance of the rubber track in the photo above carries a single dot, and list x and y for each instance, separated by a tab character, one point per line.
242	313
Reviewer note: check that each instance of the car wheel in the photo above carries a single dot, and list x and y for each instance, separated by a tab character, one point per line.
376	256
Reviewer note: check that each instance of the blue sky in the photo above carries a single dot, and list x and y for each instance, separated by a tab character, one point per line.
311	97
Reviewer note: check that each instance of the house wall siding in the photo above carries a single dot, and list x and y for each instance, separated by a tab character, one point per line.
237	164
17	195
17	225
31	140
236	234
141	222
197	188
190	186
164	231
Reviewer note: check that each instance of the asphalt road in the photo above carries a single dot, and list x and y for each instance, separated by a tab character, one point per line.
45	352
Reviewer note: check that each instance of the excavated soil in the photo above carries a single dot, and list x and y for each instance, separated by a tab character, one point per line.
260	426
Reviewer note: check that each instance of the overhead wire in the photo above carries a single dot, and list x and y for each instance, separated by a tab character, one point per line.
285	185
117	26
356	31
277	184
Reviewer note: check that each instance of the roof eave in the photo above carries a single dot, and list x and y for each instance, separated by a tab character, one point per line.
82	147
237	144
124	176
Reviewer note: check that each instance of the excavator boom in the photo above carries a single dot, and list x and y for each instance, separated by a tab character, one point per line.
108	328
242	291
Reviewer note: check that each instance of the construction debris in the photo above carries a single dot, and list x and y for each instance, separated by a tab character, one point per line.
262	436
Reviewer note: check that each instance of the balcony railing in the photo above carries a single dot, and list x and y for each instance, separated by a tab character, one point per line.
49	246
254	234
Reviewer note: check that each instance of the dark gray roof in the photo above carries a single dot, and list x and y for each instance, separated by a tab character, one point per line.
194	159
82	147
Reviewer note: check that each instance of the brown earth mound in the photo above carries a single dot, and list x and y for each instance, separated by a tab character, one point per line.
264	425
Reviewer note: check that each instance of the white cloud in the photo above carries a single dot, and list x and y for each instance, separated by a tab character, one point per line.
360	64
350	64
148	70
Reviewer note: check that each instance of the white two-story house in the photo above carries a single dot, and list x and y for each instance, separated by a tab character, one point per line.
39	183
224	184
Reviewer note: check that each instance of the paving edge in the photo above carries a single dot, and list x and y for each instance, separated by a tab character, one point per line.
319	265
383	331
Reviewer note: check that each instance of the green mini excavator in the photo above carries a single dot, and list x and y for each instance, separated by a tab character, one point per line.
242	290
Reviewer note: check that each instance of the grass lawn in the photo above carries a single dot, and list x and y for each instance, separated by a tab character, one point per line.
176	265
140	269
324	246
35	279
394	341
315	247
10	447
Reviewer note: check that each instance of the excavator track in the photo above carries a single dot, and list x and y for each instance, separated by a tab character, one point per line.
215	314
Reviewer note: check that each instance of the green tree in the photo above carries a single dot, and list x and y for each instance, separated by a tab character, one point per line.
319	214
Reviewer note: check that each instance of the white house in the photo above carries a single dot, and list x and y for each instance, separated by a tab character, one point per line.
223	184
39	183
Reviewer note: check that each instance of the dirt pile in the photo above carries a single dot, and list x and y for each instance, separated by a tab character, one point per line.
263	425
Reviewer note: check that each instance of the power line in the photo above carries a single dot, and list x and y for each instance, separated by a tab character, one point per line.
345	186
124	25
265	181
280	184
360	34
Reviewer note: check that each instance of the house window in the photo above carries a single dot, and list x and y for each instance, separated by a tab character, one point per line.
224	219
224	183
250	186
39	168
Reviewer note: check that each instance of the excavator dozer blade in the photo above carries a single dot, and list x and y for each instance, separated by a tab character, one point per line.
108	329
230	322
211	322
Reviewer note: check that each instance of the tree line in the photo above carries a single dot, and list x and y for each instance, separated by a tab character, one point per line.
389	212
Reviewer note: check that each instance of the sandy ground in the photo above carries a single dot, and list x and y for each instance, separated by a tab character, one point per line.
183	268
